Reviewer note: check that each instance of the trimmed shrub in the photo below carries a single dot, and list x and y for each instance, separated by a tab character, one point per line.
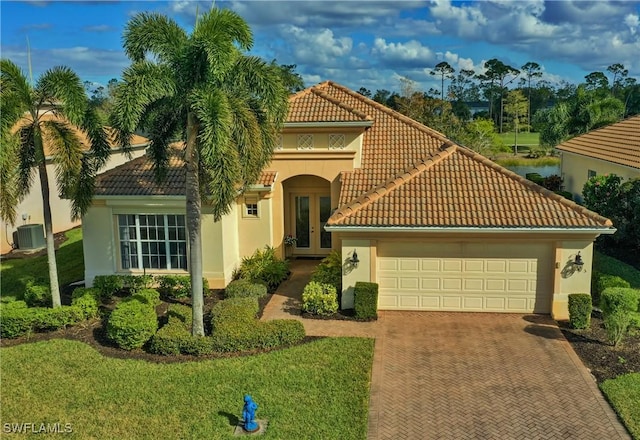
618	304
235	327
244	288
580	310
235	310
264	266
329	271
150	296
37	294
319	299
88	302
179	286
602	281
79	292
535	177
108	285
182	312
132	323
366	300
136	283
18	320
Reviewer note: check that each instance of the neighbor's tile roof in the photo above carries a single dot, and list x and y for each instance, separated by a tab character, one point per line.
136	140
137	178
618	143
413	176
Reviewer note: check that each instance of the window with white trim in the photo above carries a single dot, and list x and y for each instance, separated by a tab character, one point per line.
590	174
336	141
152	241
251	207
305	142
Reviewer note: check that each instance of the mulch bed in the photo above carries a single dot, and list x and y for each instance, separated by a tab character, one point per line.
604	360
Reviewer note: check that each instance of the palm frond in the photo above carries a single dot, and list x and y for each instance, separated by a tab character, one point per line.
153	33
100	149
163	122
66	149
220	34
28	157
15	90
9	176
63	88
143	83
219	166
246	136
81	194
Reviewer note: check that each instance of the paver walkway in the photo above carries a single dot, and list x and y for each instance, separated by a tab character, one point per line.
467	375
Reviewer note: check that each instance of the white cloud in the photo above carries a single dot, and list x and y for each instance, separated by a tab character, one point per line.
411	53
633	22
318	47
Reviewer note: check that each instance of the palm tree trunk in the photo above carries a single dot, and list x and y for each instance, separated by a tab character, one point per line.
194	224
48	227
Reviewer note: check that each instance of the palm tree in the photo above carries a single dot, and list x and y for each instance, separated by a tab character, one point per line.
202	89
46	113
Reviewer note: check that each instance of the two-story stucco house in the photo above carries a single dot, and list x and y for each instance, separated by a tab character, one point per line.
436	225
614	149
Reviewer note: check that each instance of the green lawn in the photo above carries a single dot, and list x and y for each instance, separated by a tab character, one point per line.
524	138
624	394
14	273
318	390
612	266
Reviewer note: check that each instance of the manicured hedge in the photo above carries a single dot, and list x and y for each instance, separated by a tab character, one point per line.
245	288
319	299
235	327
108	285
178	286
132	323
619	308
366	300
150	296
175	338
601	281
37	294
16	319
580	310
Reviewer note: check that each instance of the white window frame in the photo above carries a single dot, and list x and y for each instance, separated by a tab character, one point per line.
305	142
251	207
591	173
138	241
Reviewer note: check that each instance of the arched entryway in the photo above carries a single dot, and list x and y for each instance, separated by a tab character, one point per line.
307	207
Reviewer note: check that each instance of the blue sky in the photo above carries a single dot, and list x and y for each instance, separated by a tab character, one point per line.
356	43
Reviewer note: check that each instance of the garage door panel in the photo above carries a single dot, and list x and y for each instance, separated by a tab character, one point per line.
464	276
452	265
473	303
409	283
430	284
412	265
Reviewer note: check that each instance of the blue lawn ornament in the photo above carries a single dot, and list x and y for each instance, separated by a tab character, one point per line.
249	414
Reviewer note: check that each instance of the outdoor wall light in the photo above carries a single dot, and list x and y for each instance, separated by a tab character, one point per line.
354	259
578	263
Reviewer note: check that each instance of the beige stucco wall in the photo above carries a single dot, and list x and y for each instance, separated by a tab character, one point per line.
31	206
254	232
567	280
575	170
351	274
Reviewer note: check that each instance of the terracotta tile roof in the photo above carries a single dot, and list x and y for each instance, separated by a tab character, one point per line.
136	178
136	140
412	175
618	143
456	187
315	105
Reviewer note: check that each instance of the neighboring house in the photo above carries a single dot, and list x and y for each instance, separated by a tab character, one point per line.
436	225
29	211
614	149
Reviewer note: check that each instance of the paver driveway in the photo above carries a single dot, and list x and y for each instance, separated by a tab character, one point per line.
482	376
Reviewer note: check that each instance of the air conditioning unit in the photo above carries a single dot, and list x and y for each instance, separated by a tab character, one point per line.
31	237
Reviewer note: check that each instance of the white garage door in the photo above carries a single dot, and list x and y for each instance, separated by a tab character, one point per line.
474	277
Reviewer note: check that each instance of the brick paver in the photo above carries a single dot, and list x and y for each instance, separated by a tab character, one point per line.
467	375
